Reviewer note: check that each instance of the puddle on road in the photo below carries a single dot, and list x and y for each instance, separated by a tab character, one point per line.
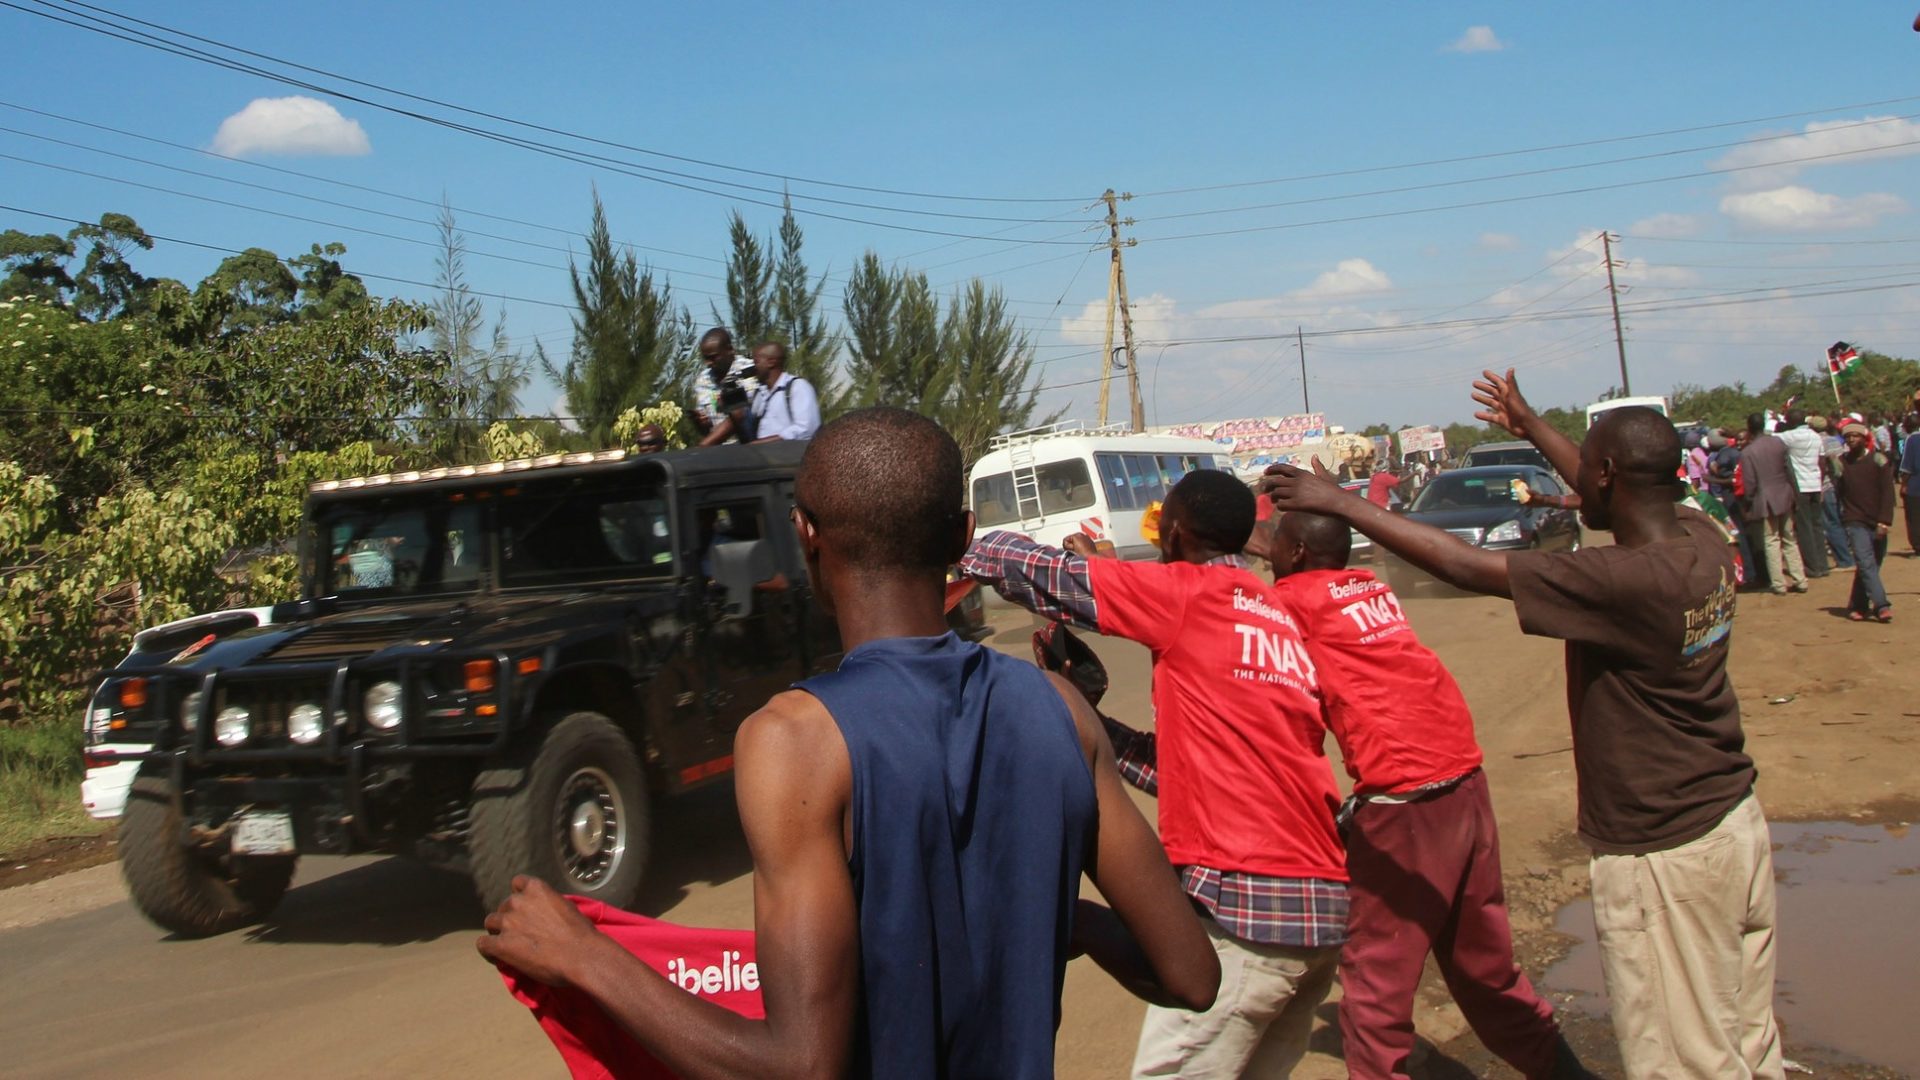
1848	954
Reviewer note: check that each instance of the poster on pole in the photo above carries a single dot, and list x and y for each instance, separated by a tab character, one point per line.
1423	439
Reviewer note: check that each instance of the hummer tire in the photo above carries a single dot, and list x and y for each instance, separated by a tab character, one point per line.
570	809
191	893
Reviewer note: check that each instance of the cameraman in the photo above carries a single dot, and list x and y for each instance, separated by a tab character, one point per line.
785	406
721	390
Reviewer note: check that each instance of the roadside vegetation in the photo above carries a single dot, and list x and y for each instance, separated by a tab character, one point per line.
159	436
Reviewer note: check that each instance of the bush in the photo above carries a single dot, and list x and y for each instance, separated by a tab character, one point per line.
40	782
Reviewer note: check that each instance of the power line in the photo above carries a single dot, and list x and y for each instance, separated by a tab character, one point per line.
1517	153
1543	171
1528	197
785	177
642	172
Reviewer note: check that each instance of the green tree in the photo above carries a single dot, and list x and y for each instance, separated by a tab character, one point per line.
261	288
631	345
813	350
325	288
993	389
750	297
108	285
893	331
35	266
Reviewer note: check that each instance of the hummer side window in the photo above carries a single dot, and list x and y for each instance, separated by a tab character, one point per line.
562	537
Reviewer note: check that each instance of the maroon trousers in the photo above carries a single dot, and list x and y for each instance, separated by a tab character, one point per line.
1426	877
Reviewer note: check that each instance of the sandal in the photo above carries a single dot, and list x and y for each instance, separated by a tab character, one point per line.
1886	614
1857	616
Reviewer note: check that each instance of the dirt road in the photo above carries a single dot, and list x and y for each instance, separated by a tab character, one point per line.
368	966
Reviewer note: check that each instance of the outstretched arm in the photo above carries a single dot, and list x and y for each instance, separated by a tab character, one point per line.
794	783
1446	557
1151	940
1505	407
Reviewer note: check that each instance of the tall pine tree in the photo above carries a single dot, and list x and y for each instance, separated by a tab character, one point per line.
750	305
813	350
992	362
631	345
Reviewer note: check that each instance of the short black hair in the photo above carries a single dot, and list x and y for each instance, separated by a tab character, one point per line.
1794	418
886	488
1639	440
1328	539
1216	508
1756	423
773	343
721	332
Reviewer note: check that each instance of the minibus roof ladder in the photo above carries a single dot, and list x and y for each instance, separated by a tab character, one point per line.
1026	481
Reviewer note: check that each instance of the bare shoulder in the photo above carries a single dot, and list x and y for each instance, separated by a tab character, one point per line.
793	733
1086	723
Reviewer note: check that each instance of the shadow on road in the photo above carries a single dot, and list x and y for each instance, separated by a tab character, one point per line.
696	841
391	902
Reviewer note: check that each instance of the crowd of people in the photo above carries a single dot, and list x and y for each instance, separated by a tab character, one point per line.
921	819
1806	494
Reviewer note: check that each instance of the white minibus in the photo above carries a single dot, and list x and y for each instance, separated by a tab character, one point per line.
1050	482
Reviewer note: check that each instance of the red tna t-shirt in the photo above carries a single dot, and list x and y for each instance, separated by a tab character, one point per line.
1400	718
1245	784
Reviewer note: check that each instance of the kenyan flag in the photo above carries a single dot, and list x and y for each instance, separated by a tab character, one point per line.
1842	360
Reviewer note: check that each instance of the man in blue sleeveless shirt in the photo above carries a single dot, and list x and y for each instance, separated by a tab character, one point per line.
919	822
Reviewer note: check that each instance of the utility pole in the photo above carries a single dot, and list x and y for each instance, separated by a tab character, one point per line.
1619	339
1117	294
1300	338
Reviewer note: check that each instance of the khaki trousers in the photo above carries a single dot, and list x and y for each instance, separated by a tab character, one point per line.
1686	945
1258	1024
1784	566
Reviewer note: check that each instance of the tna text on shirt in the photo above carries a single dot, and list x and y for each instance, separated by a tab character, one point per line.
1270	653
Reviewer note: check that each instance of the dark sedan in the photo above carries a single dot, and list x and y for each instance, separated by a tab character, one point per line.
1480	506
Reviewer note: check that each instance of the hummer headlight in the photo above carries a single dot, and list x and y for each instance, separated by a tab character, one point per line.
232	726
306	724
383	705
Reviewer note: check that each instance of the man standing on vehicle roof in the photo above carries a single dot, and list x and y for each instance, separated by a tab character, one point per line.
784	406
721	388
1247	803
919	822
1682	865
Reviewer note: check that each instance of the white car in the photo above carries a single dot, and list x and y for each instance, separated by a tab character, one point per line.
103	789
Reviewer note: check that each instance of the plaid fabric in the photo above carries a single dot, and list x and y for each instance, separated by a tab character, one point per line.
1306	913
1135	753
1301	912
1045	580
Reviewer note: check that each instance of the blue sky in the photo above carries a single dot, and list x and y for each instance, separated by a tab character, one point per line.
1058	103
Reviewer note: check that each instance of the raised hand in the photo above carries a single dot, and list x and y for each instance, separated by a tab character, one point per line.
1293	488
1505	406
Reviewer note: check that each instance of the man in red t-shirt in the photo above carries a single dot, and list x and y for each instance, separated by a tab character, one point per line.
1248	797
1422	849
1381	485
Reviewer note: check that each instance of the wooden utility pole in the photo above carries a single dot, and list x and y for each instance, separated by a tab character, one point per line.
1117	294
1300	338
1619	339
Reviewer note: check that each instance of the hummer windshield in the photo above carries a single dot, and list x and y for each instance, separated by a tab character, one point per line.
387	549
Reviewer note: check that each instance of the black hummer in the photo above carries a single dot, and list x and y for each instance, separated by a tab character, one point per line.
500	666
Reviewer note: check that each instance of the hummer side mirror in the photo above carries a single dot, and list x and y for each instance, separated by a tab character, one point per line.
739	565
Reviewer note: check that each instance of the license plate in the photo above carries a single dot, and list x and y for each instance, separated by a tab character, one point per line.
263	834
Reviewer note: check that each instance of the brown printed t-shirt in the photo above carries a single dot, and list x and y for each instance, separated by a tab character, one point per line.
1657	745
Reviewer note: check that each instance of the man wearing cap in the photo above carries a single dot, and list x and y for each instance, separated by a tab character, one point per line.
1864	482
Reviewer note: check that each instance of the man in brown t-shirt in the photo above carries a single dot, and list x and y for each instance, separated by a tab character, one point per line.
1682	865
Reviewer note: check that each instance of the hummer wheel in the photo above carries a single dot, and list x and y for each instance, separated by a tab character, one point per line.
190	892
571	810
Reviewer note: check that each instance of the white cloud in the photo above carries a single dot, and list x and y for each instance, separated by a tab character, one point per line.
1498	241
1666	226
1798	209
1350	277
1869	138
1477	39
290	125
